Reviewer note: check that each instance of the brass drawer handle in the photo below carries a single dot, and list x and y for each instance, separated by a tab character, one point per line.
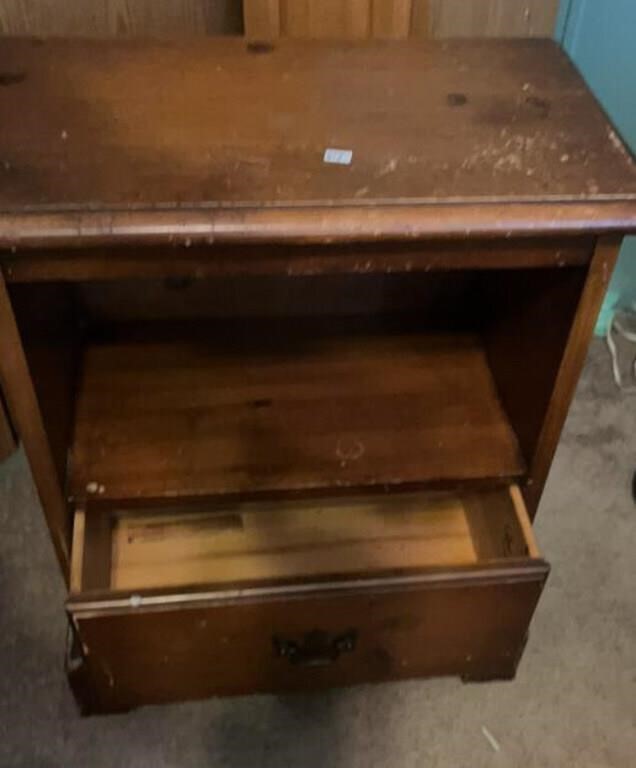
316	648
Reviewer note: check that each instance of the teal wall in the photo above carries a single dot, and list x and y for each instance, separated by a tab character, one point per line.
599	36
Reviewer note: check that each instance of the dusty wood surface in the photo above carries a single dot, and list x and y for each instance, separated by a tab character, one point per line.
139	136
99	264
289	414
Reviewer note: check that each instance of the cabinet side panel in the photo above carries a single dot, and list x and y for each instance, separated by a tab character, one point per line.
47	323
36	432
530	318
597	281
537	342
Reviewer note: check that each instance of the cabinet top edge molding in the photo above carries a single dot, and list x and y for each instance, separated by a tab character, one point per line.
222	139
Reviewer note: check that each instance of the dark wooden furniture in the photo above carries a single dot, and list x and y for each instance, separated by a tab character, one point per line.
7	438
290	420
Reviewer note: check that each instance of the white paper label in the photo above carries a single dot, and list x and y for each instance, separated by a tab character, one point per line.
338	156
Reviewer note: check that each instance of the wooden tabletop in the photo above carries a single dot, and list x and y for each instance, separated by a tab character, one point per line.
219	139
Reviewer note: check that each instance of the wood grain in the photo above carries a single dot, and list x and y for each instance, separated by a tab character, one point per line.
78	556
297	19
341	19
492	18
359	19
95	567
291	412
303	539
391	18
108	18
262	19
525	524
421	19
328	19
472	623
507	139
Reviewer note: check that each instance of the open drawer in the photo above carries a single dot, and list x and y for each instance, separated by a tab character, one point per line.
171	604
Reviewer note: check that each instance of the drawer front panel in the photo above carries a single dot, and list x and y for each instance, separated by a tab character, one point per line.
463	624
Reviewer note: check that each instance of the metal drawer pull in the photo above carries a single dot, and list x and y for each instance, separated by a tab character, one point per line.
316	648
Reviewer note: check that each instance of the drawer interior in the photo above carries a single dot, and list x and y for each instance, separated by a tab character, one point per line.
127	550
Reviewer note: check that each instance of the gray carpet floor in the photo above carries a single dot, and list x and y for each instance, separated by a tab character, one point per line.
573	702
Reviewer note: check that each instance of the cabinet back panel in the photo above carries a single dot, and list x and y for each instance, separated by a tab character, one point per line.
441	300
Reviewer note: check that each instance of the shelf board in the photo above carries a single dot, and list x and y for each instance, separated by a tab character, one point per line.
287	411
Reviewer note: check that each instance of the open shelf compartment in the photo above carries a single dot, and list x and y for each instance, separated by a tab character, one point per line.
160	391
291	409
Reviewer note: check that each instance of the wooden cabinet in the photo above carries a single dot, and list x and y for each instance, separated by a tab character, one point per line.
290	419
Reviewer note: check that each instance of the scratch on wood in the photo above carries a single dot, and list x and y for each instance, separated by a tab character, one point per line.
619	144
387	168
349	451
